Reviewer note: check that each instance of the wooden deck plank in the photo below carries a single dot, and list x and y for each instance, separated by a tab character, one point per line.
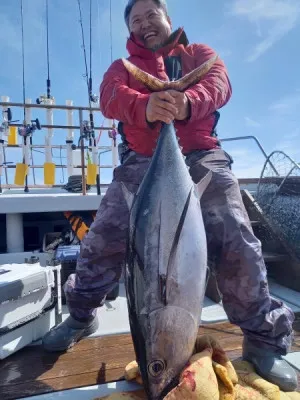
93	361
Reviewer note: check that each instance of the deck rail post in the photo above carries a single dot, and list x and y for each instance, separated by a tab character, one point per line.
70	138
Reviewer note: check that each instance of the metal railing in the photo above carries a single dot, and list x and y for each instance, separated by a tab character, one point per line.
97	151
86	133
231	139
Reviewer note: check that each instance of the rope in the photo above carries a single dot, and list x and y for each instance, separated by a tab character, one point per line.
74	184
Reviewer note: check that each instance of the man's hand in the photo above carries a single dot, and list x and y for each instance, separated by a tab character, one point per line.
181	103
161	107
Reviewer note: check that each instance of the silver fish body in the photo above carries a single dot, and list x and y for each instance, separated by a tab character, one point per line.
166	266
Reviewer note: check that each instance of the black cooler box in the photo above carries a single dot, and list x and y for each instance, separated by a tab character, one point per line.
67	256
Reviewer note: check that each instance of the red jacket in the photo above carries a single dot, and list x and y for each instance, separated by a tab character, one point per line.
124	99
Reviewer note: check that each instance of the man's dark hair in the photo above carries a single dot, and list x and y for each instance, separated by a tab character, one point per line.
160	4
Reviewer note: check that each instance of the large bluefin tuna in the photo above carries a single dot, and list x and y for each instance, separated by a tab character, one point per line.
166	265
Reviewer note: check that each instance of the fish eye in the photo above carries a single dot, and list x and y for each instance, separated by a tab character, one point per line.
156	368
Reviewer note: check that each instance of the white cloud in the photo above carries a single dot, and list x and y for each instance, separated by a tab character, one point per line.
252	123
249	171
273	19
288	144
239	152
244	165
283	114
289	104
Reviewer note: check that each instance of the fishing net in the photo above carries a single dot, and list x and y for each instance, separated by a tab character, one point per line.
278	195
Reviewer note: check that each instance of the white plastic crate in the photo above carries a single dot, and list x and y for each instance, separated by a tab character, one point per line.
17	339
25	292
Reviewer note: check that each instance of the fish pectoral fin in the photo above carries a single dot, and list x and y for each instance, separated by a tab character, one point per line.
129	197
202	185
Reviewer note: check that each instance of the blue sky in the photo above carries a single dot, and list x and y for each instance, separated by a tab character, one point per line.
257	39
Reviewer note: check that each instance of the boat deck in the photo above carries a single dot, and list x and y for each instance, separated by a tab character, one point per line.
93	361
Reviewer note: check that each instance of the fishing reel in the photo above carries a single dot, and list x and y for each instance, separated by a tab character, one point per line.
7	117
4	127
43	99
112	134
28	129
94	98
87	130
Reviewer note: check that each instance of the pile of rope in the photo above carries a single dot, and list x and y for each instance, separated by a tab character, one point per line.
278	195
74	184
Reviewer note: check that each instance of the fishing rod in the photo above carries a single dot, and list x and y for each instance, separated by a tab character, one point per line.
112	134
6	120
88	127
43	99
48	62
29	126
4	131
49	167
110	32
93	97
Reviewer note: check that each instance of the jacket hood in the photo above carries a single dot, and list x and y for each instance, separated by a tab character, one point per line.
135	47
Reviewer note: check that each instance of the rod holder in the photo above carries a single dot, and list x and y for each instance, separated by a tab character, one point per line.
21	173
49	173
12	138
91	174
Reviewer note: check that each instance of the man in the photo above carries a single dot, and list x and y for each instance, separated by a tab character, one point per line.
234	251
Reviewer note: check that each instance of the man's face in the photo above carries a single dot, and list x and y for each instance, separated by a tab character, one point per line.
149	23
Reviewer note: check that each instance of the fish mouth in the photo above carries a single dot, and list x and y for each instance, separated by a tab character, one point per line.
160	394
169	387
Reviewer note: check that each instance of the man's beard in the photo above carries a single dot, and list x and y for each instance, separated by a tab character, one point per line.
161	44
157	46
164	43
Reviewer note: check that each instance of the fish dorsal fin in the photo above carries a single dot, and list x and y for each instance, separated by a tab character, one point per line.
129	197
202	185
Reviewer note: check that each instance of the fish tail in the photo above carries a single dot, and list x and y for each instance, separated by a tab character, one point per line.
151	82
194	76
155	85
